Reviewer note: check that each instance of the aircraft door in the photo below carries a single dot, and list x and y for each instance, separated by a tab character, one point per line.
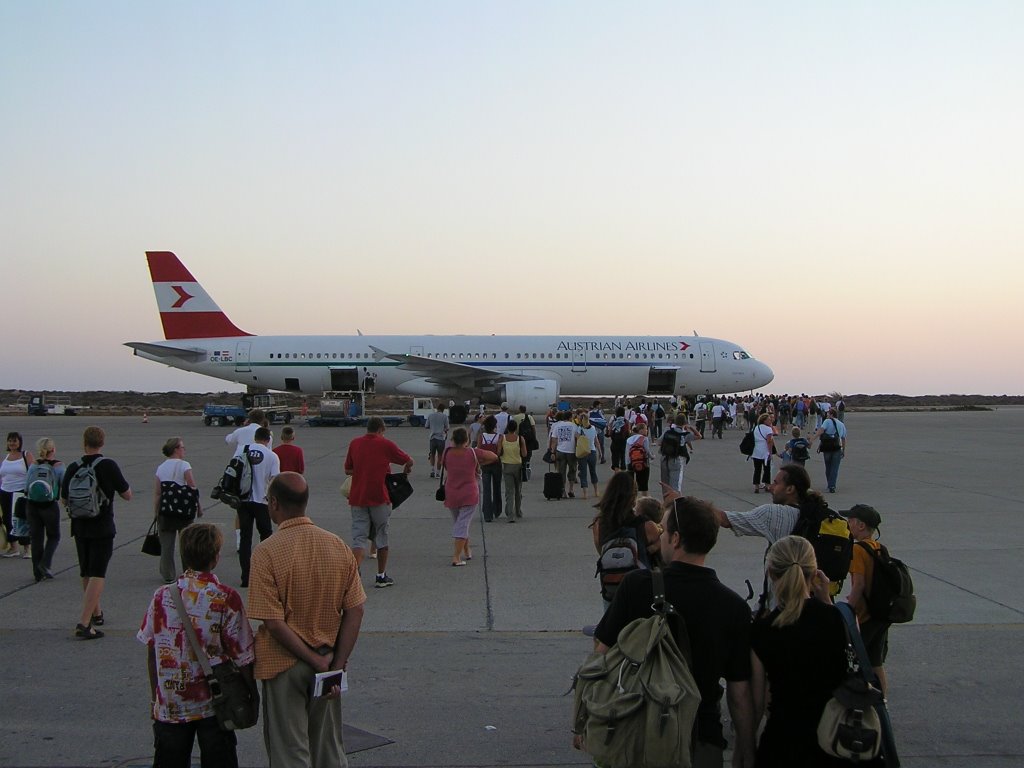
345	379
707	357
242	357
579	361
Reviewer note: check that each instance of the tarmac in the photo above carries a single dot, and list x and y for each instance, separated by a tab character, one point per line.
468	666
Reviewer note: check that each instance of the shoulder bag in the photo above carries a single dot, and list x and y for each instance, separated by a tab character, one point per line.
855	723
178	502
236	700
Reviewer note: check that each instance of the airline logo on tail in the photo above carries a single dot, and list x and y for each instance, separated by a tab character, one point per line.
186	310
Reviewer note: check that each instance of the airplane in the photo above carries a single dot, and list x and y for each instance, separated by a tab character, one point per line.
534	371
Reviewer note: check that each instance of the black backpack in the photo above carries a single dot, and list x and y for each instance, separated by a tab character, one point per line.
673	445
528	431
892	590
800	452
747	444
235	484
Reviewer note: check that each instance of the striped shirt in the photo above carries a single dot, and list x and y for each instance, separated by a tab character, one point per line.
769	521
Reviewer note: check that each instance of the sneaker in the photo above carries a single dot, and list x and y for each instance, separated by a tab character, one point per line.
383	580
434	474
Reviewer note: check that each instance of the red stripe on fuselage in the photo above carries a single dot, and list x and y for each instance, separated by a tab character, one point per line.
164	267
198	325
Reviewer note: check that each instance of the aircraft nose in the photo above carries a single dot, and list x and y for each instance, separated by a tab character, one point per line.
763	375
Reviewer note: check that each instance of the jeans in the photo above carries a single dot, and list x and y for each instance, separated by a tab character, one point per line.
172	744
588	464
491	491
832	460
250	512
43	521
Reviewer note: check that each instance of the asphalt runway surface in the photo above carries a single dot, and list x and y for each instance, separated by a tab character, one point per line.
467	666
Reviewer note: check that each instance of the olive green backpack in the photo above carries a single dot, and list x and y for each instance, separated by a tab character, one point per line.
636	704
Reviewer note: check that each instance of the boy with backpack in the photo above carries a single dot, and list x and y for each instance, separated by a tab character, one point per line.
869	557
797	450
87	493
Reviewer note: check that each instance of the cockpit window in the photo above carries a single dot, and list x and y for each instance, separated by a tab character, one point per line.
739	354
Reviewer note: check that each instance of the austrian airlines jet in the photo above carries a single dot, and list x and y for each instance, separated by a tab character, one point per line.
523	370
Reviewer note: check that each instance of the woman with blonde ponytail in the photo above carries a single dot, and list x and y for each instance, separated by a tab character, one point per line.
798	653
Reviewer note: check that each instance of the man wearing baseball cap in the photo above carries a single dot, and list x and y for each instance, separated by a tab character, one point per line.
864	522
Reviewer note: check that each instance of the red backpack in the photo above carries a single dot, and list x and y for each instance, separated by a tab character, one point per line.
638	455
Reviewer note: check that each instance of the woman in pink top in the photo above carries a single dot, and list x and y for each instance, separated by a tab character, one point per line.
462	489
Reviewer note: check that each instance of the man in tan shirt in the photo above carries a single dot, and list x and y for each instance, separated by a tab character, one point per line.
308	575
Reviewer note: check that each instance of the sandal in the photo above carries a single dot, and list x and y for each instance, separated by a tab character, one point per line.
87	633
97	620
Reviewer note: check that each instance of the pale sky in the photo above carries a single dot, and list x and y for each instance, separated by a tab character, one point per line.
837	187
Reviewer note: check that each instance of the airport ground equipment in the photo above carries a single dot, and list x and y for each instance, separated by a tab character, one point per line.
41	405
223	415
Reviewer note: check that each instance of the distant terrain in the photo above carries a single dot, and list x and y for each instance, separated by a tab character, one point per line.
182	403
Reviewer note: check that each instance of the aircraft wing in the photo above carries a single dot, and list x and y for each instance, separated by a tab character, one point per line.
448	372
160	350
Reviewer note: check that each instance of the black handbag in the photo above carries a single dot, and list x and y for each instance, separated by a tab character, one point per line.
236	700
178	502
440	493
151	544
399	488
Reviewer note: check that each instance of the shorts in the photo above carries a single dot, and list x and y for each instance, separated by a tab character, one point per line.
361	519
94	556
875	635
436	446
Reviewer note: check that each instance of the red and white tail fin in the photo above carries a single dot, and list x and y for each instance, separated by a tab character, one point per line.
186	310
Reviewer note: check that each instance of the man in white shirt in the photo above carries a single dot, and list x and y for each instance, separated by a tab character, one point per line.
717	419
562	444
265	467
246	434
241	437
502	418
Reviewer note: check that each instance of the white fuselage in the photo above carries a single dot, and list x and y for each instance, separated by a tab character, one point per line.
580	365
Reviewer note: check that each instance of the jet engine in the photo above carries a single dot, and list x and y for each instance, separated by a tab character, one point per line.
535	395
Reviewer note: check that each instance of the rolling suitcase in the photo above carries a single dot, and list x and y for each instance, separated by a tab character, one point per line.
554	488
